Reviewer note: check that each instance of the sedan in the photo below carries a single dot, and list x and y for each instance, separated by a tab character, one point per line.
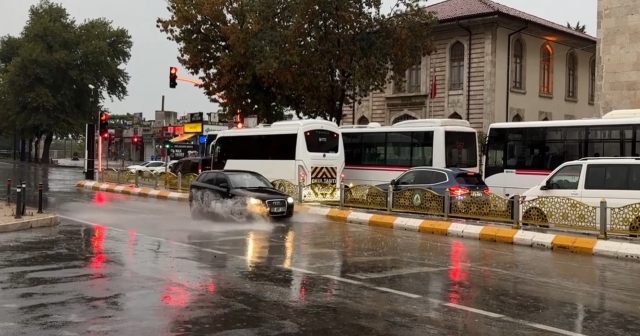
237	194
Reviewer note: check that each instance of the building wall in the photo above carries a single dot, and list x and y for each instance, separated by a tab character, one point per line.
488	84
618	55
529	103
384	107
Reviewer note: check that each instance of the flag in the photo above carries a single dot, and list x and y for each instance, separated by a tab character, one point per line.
434	88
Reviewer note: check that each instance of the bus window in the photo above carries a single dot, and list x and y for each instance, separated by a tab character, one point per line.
461	149
422	149
322	141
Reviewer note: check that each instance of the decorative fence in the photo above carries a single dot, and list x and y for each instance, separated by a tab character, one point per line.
543	211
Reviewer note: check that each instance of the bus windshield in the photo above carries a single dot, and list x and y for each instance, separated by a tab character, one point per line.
322	141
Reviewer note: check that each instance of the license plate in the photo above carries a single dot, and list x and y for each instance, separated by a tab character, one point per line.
476	194
278	209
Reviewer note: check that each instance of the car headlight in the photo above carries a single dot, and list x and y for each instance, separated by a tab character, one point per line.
254	201
289	200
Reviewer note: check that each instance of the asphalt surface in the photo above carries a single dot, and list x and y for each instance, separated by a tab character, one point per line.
121	265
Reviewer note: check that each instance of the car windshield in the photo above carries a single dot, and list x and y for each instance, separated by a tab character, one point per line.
144	164
248	180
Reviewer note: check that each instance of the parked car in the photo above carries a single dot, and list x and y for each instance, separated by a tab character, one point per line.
164	168
238	194
461	183
191	165
145	166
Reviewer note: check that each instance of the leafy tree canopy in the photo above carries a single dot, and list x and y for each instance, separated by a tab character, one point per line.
47	70
306	55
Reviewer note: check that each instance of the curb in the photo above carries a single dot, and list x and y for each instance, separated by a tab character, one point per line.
131	190
588	246
30	223
152	193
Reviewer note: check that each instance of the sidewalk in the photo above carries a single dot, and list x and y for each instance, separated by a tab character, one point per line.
32	219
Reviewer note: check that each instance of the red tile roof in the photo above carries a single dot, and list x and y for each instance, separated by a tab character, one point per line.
460	9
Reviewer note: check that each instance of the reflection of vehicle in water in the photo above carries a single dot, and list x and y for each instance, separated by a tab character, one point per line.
237	193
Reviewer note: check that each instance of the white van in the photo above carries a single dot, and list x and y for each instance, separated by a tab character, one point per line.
589	180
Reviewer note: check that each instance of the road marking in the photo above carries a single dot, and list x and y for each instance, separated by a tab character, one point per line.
389	290
402	271
363	284
473	310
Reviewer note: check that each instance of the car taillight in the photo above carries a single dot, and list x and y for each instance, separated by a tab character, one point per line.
458	191
487	192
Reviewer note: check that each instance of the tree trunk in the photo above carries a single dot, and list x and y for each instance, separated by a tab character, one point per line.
45	149
23	149
36	145
30	158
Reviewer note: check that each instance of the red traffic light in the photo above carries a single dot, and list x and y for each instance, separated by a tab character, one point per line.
106	135
240	125
104	116
173	70
135	139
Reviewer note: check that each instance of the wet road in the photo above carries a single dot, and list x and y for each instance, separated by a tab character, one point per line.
122	265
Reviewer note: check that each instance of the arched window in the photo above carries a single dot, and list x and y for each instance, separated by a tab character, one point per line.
592	80
455	115
546	69
456	64
572	66
363	121
516	118
518	65
403	117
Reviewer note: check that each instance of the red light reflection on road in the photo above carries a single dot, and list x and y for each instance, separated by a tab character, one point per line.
179	293
97	241
132	241
458	273
100	199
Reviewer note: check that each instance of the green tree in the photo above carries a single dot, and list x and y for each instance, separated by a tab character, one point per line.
307	55
578	27
216	47
48	70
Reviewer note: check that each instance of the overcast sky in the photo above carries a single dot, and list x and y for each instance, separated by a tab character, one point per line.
153	54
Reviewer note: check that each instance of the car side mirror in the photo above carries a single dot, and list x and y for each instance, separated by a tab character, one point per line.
224	186
393	182
545	186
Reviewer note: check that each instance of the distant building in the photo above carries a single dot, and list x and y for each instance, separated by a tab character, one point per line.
618	59
551	71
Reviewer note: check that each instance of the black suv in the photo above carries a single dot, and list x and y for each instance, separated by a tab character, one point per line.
191	165
237	194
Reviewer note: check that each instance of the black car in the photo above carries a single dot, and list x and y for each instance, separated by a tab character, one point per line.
237	194
191	165
461	183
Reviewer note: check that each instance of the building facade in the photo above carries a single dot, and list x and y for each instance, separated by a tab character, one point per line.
492	64
618	59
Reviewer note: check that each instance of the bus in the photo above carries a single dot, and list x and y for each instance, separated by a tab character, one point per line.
211	137
376	154
311	150
519	155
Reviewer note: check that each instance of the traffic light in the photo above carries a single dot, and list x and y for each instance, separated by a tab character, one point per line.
104	124
173	77
136	141
167	144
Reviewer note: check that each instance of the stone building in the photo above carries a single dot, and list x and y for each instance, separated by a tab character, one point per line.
493	63
618	58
